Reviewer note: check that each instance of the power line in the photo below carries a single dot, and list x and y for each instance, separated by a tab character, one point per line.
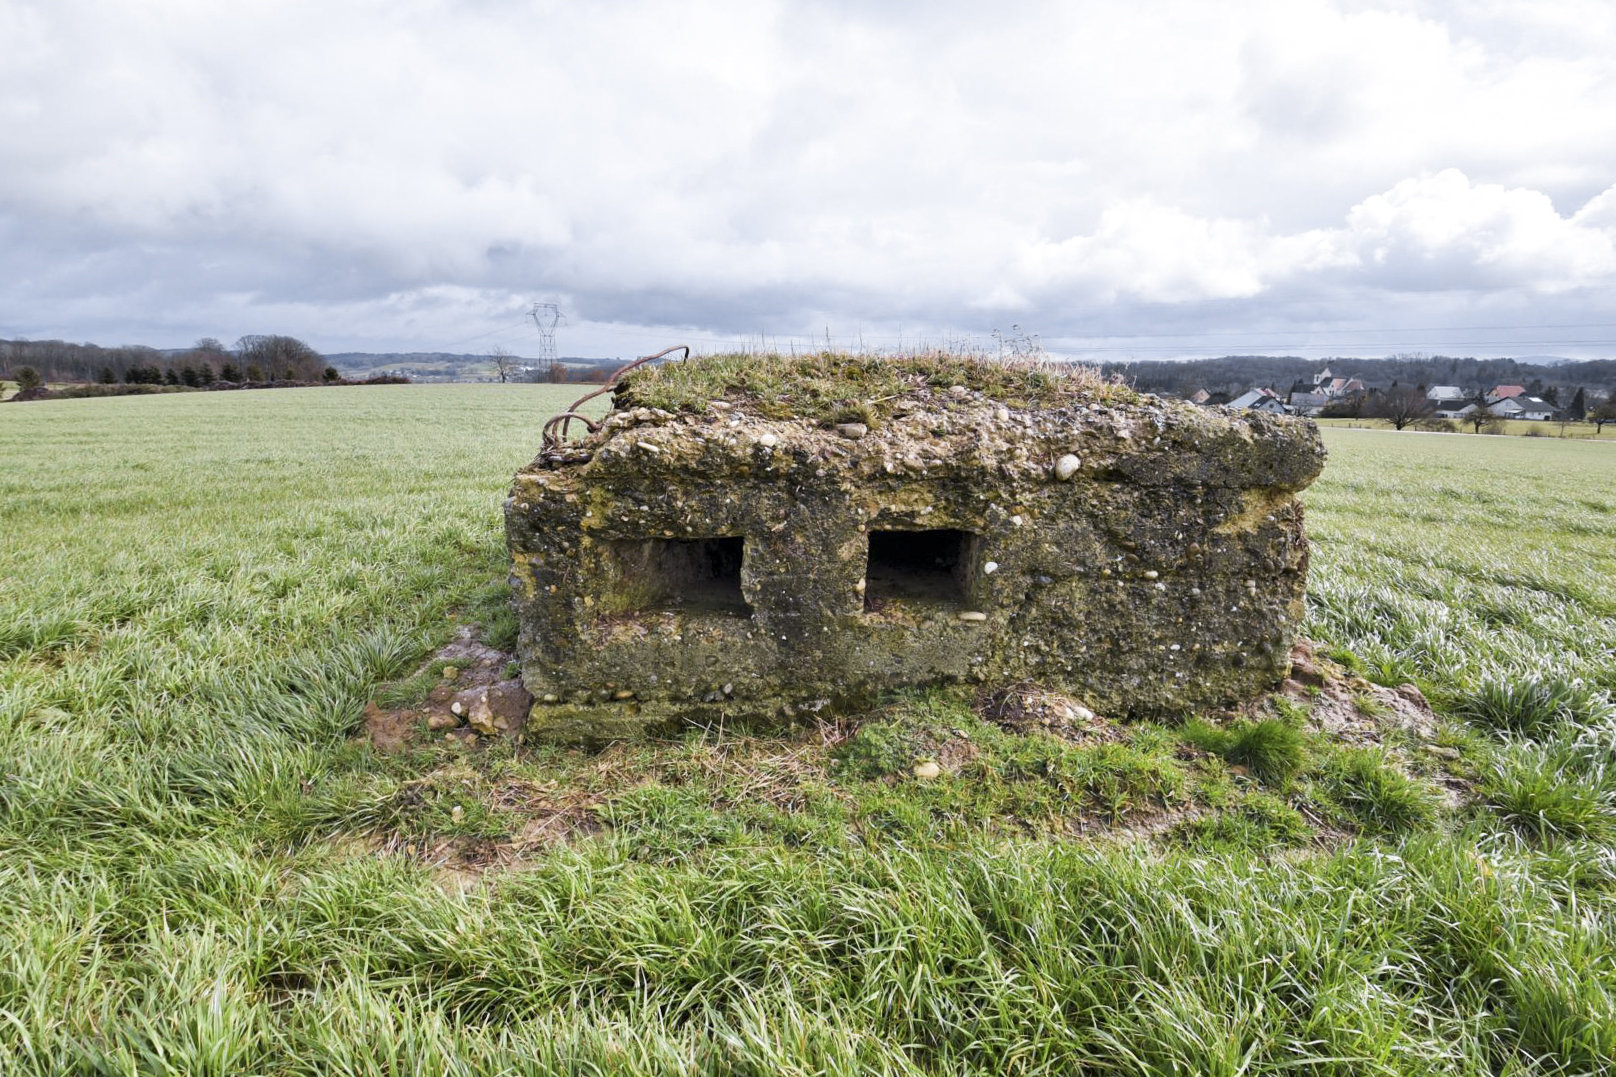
1394	329
480	336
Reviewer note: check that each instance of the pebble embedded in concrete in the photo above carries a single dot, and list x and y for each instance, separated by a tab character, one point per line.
768	441
852	431
990	568
972	615
1067	466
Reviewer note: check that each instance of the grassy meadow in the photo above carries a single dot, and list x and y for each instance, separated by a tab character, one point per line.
204	869
1526	428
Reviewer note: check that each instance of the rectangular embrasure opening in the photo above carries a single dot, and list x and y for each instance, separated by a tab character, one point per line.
696	575
917	568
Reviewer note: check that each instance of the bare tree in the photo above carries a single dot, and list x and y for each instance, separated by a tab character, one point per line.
505	364
1399	405
1604	413
281	357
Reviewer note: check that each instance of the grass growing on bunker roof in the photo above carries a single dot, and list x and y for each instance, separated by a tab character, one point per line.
834	387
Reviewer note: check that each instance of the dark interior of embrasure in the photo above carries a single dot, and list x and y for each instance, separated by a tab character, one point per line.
694	575
917	568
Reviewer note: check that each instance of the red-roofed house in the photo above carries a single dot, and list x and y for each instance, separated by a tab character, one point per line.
1504	392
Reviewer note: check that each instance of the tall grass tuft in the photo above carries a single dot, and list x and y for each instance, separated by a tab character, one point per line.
1374	794
1273	749
1533	706
1562	788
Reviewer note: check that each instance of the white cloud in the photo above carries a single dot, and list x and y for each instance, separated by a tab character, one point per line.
331	168
1442	231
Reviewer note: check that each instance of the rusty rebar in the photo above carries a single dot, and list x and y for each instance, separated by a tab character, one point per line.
555	440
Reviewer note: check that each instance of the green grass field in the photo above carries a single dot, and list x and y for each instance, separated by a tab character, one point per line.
1509	427
204	870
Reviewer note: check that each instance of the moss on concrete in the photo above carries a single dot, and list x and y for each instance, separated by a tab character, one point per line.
834	387
1145	556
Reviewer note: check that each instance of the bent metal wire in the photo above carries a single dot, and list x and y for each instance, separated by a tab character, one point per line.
558	428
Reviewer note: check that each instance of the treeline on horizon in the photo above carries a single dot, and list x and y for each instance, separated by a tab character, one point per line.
266	358
1234	374
255	358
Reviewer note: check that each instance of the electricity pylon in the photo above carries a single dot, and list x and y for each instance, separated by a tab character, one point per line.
541	314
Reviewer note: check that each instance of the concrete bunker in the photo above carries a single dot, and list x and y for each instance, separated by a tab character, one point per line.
714	553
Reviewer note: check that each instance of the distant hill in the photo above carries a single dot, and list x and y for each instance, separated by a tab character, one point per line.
448	366
1234	374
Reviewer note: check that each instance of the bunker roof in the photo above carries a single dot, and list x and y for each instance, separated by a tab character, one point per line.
959	412
832	387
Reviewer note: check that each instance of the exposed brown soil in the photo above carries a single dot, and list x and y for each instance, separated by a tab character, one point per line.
389	731
456	709
1351	710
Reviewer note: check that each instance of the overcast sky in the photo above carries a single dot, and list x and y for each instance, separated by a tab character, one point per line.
1121	178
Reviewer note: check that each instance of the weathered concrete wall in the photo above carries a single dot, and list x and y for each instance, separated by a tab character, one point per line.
1148	559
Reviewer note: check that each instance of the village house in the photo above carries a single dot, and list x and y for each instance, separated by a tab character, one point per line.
1451	401
1334	386
1454	409
1260	400
1308	403
1520	406
1327	388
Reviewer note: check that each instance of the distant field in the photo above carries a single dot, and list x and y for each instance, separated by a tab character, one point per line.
1449	558
204	871
1511	427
